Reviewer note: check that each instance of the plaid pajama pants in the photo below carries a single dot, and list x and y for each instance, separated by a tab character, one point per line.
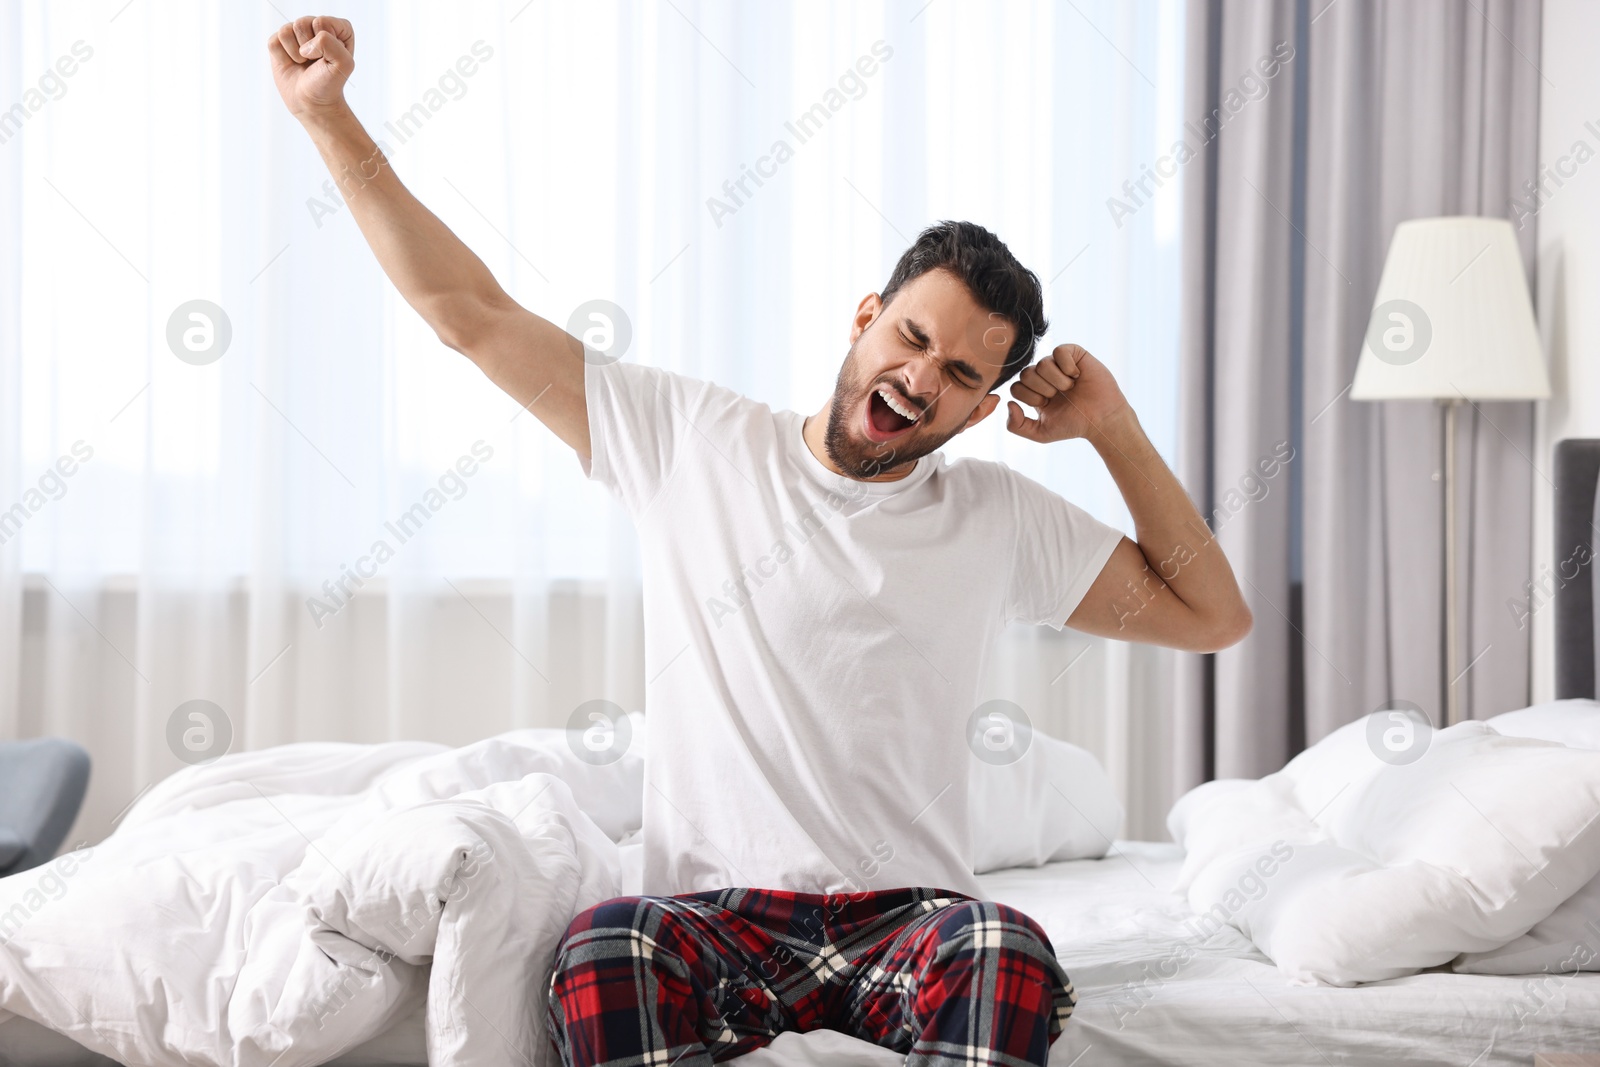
693	980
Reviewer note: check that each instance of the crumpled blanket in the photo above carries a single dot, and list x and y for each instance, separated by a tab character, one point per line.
280	907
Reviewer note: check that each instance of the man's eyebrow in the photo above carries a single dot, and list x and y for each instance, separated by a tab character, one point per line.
917	333
960	366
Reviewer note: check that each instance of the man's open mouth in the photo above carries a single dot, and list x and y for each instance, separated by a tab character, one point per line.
888	414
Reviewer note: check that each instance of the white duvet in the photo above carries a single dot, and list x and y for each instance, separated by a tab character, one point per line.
280	907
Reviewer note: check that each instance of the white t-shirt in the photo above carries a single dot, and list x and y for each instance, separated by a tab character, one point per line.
814	644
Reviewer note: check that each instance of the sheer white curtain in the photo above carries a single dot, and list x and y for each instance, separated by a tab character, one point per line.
206	547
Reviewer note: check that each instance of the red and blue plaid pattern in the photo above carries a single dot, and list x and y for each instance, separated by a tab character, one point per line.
693	980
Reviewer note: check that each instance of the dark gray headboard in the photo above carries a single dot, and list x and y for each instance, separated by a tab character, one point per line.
1577	534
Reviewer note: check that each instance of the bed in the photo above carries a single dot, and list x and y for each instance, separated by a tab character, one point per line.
1145	998
1154	990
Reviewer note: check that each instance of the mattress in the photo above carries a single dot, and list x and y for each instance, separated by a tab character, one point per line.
1154	989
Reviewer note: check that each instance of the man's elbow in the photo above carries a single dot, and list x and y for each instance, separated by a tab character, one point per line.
465	322
1228	630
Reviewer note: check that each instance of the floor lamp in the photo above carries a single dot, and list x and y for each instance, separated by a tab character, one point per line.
1451	322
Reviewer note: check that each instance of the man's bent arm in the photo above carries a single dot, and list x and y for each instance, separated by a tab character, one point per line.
539	364
1173	587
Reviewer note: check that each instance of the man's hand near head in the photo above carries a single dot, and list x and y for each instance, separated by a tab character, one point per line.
1173	586
1073	393
539	364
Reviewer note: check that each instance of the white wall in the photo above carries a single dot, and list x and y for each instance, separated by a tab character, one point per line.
1567	288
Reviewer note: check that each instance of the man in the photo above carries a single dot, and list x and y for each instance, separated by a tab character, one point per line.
820	596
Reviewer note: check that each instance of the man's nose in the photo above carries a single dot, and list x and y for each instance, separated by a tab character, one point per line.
922	380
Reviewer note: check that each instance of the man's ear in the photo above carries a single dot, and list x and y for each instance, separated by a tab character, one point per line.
866	311
984	409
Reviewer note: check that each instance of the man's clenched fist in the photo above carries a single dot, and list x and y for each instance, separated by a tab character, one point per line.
312	58
1073	392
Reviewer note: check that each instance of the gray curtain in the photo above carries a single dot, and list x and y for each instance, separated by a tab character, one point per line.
1387	110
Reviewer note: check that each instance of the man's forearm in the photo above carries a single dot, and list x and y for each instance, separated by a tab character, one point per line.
433	270
1176	542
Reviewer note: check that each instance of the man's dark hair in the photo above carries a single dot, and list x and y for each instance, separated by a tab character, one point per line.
990	272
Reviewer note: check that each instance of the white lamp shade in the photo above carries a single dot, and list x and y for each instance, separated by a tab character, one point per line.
1452	317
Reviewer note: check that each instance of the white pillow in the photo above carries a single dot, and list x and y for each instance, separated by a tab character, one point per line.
1573	722
1344	868
1569	940
1565	943
1054	803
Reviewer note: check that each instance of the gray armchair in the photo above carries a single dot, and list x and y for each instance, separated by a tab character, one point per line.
42	783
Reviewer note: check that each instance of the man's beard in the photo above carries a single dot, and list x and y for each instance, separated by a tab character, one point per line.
862	459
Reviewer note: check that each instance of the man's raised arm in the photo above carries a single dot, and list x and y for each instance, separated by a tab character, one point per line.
539	364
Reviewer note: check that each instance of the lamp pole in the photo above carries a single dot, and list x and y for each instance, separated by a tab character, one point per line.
1452	700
